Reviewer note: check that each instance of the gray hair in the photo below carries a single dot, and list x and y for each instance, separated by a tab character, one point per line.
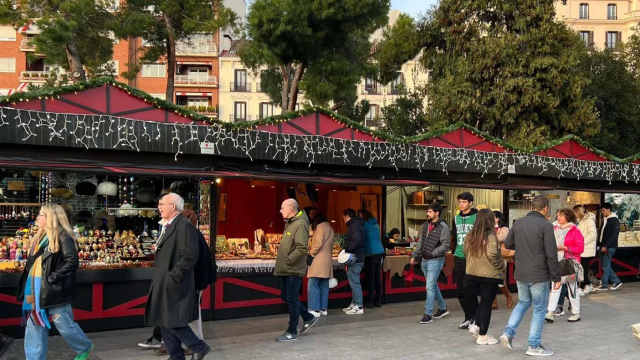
177	200
293	203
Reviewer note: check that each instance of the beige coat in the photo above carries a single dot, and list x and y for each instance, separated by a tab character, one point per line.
322	249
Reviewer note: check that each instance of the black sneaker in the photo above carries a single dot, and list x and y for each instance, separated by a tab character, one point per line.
465	325
441	313
616	286
150	343
377	304
426	319
368	306
308	324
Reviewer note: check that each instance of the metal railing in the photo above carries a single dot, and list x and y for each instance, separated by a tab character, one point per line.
26	44
240	87
372	90
196	80
239	118
372	122
197	48
34	75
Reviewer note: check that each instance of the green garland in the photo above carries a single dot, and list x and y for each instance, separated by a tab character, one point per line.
52	93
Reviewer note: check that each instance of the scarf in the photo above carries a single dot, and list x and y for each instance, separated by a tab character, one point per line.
31	305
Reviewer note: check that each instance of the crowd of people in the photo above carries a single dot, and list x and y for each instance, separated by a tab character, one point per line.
551	264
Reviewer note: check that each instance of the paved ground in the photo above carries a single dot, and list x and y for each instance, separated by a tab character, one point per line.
393	332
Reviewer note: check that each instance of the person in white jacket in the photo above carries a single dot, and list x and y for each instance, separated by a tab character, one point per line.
587	226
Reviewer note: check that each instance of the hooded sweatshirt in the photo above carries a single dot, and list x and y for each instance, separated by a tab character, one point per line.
610	231
462	224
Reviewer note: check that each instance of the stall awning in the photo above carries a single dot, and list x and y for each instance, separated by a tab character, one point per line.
202	63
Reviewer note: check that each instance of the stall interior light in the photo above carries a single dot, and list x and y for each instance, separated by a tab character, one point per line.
568	197
218	181
426	187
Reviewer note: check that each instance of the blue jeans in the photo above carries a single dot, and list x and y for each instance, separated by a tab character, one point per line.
608	275
318	297
431	269
175	337
538	294
290	294
36	337
353	274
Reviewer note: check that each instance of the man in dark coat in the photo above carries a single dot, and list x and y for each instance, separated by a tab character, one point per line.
172	302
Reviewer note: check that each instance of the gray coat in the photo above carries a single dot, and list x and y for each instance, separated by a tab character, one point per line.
172	298
533	240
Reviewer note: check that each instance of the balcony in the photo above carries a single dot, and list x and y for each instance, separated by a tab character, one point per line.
199	48
396	89
27	45
239	118
190	80
210	111
372	122
34	76
240	87
372	90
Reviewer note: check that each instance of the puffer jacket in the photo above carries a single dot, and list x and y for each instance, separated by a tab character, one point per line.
372	242
588	229
294	246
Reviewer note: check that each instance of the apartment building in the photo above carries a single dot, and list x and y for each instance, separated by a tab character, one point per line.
600	23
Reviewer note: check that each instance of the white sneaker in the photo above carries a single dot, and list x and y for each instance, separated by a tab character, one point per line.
486	340
349	308
582	292
314	313
474	330
356	310
635	328
323	312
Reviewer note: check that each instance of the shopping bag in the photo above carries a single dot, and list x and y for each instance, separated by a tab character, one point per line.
408	276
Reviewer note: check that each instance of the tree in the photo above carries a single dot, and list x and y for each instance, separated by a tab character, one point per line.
616	93
74	34
406	115
506	67
319	46
163	23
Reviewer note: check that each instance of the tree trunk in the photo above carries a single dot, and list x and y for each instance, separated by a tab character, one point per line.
75	64
286	72
293	98
171	59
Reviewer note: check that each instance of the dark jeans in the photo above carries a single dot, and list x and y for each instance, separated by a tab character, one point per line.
157	333
175	337
469	302
564	293
585	265
372	266
487	291
290	294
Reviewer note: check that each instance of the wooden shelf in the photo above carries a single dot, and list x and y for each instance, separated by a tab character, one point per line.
20	204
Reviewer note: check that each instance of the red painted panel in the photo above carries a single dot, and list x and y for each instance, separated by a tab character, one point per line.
268	128
175	118
578	149
288	129
556	154
541	153
500	149
437	142
122	101
344	134
484	146
31	105
454	137
470	138
328	125
91	98
588	156
565	147
307	122
360	136
424	142
149	115
636	161
60	107
601	158
379	140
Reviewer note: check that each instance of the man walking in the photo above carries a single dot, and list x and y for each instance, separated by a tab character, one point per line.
354	244
534	243
608	247
463	223
432	247
291	267
172	302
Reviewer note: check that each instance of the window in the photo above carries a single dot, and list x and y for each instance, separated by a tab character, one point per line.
198	74
266	110
240	113
612	11
297	106
369	84
159	96
240	78
154	70
372	116
614	39
584	11
397	84
198	101
7	33
8	65
587	37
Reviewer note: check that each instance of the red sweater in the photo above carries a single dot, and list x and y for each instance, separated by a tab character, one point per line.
574	241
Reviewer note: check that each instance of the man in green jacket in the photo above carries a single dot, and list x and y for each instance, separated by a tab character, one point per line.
291	267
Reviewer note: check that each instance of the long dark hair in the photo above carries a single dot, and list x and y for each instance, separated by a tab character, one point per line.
365	214
482	228
319	219
500	217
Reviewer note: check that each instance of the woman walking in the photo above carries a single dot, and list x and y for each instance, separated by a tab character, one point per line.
48	286
321	269
373	253
485	271
587	226
570	244
501	233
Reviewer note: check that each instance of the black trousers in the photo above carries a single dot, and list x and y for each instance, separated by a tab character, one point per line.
373	280
487	291
468	302
157	333
175	337
585	265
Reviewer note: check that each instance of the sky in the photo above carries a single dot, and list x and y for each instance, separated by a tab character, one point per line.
412	7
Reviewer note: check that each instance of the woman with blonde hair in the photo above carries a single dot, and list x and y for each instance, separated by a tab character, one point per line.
587	226
48	286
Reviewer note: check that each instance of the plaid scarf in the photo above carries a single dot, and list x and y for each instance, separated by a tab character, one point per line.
31	305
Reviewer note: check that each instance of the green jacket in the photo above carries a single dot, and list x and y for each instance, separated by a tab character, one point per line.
292	253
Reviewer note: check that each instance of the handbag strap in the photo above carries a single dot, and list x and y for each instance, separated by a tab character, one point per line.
324	241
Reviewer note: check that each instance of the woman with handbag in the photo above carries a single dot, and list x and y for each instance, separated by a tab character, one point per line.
501	233
570	244
321	267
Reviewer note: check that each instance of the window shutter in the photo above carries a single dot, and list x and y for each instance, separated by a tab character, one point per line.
590	38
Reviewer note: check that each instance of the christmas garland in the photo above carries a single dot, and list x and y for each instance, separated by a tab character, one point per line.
51	93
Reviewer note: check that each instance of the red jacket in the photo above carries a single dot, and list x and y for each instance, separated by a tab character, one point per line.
574	241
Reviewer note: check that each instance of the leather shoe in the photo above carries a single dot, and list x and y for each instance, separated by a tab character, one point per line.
201	355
